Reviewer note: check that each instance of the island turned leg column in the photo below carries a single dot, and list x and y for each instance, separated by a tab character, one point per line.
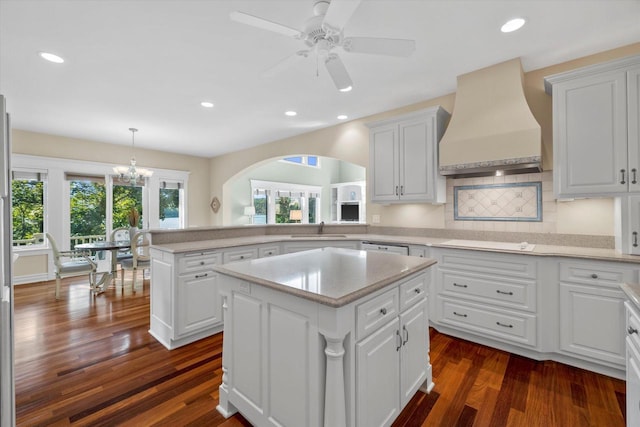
224	407
334	396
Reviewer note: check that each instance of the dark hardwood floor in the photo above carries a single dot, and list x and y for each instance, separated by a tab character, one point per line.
87	360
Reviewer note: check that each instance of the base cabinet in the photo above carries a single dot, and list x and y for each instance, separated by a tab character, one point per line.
199	293
633	363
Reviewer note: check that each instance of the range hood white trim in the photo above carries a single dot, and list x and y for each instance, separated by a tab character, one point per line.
492	127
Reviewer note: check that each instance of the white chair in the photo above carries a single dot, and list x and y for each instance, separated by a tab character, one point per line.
140	259
78	262
117	235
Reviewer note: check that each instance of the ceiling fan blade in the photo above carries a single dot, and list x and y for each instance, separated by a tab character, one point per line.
254	21
285	63
379	46
338	15
338	73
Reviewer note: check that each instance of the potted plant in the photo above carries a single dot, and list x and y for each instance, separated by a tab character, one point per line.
134	218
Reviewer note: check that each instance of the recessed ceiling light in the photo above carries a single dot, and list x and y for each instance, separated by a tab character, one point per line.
290	113
51	57
342	117
512	25
207	104
346	89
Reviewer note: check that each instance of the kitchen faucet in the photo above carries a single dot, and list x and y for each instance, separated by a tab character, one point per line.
321	227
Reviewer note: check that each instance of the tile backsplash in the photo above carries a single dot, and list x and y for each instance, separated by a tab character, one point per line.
501	202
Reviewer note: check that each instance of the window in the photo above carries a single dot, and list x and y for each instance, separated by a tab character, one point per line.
125	198
170	198
87	208
27	206
303	160
283	203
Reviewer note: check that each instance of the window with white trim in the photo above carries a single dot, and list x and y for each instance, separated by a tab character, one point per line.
28	205
171	200
284	203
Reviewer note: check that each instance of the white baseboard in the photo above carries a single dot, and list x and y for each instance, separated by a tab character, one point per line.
30	278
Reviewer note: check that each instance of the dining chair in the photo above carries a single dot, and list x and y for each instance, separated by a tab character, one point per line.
77	262
140	259
119	234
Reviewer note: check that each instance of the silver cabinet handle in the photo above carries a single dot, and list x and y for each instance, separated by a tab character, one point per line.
631	330
241	256
594	276
635	239
383	311
402	190
459	314
622	180
396	190
201	262
417	290
634	179
406	334
504	293
459	286
199	276
398	340
382	248
504	325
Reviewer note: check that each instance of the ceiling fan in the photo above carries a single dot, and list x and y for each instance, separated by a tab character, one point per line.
323	34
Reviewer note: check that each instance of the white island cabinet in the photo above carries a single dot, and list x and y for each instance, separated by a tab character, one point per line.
332	336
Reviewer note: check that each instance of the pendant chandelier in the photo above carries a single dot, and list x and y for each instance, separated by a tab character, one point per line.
132	174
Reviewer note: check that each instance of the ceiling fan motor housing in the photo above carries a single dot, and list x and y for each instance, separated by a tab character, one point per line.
314	32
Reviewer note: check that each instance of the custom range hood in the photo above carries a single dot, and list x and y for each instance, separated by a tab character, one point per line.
492	128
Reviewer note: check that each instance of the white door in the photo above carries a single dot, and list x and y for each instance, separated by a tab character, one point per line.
633	117
384	163
198	302
590	135
414	357
415	159
377	373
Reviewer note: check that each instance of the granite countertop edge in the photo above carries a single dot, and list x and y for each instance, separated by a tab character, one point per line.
323	299
632	291
539	250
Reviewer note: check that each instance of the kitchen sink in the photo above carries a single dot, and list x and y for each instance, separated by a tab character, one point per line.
502	246
333	236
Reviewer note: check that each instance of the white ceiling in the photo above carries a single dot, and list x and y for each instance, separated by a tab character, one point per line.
149	64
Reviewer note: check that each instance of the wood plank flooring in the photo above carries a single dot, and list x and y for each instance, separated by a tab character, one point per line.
89	361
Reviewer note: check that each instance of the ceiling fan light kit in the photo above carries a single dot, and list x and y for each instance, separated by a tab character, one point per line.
323	34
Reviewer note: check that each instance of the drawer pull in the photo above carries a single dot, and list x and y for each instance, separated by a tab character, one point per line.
635	239
398	340
631	330
459	286
201	262
241	256
622	179
199	276
383	248
504	293
417	290
634	179
594	276
406	334
504	325
383	311
459	314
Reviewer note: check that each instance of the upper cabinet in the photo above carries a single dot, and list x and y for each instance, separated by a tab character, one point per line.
403	164
596	147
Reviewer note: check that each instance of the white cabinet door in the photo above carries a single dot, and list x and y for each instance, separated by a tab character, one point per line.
414	357
633	386
592	322
377	373
633	117
416	157
198	302
590	135
384	173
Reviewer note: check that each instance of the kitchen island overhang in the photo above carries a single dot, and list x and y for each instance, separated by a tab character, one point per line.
324	337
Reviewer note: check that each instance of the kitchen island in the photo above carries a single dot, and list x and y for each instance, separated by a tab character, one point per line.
333	337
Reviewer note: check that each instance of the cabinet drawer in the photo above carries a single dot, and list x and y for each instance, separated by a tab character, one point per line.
413	291
376	312
515	327
590	273
240	255
268	251
515	293
504	265
198	261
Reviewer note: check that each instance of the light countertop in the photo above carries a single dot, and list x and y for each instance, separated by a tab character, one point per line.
539	250
330	276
